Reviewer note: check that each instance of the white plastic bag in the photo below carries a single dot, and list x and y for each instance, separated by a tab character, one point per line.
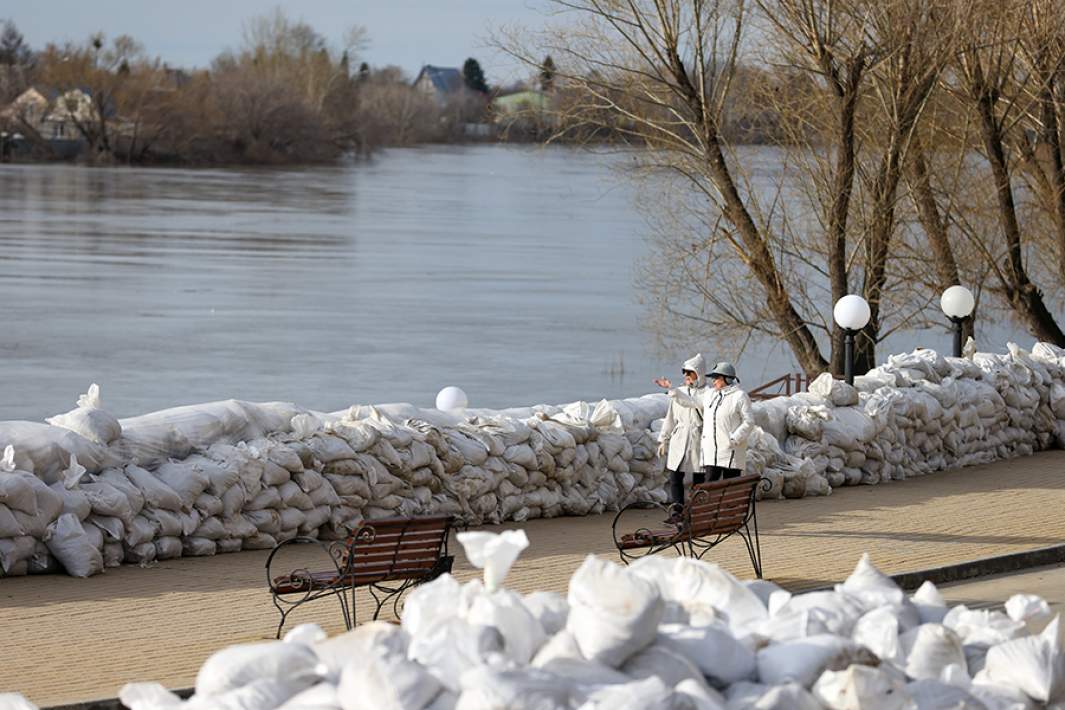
494	553
613	613
239	665
388	682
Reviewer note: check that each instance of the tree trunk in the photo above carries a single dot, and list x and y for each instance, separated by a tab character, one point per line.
935	228
792	327
1024	297
1052	138
842	189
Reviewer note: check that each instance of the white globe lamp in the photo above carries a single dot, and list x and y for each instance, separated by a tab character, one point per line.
957	303
451	399
852	314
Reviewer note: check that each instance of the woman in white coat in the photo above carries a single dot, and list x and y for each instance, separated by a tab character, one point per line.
682	433
727	422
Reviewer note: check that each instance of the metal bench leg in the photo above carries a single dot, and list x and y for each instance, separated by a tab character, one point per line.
754	547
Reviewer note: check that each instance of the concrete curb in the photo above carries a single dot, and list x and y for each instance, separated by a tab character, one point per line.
984	567
961	571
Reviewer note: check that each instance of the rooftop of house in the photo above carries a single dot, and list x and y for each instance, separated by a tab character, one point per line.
446	80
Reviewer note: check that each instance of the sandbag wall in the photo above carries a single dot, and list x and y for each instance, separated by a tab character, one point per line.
96	503
918	413
85	491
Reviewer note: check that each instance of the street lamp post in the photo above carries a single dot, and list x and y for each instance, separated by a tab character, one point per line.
957	303
852	314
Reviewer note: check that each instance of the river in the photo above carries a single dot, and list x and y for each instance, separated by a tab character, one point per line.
507	271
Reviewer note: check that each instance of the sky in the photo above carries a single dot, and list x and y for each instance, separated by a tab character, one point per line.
189	33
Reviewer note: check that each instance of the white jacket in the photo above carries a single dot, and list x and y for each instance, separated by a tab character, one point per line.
727	423
683	426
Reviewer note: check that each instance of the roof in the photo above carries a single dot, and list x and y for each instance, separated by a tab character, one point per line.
446	80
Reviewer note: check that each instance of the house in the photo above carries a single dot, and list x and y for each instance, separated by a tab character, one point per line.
519	102
50	118
441	83
69	109
29	108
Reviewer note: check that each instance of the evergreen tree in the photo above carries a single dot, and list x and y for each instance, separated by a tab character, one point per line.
364	71
474	76
344	64
13	47
547	73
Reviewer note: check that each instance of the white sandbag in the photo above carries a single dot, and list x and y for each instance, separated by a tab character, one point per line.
664	662
1034	665
861	687
613	613
929	603
388	682
485	688
106	500
871	586
9	525
15	552
45	450
1030	610
157	494
878	630
89	420
930	694
836	391
448	647
197	547
68	543
241	664
16	491
718	654
186	479
168	548
550	609
789	696
804	660
930	648
117	478
15	701
494	553
371	638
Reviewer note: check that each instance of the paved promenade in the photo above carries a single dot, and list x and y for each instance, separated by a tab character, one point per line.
73	639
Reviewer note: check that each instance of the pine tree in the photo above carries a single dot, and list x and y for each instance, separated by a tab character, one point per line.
547	73
474	76
13	48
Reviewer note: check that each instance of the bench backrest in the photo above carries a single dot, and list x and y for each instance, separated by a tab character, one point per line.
721	507
394	548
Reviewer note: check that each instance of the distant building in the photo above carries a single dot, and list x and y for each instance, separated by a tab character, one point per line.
442	83
519	102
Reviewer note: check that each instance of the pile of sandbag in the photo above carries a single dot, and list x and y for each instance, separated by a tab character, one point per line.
921	412
86	491
666	633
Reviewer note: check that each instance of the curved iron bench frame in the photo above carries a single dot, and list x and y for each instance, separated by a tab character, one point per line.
681	538
343	585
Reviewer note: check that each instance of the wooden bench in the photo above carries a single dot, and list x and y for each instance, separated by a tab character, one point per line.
713	513
387	556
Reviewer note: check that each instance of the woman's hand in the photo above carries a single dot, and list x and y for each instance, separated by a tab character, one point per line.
664	383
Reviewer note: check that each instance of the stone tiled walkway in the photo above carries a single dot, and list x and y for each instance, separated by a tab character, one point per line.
71	639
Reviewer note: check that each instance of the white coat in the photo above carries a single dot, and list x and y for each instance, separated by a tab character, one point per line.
683	426
727	423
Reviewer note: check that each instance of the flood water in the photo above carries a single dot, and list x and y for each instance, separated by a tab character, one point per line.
505	270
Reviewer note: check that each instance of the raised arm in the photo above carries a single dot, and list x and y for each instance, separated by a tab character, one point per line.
685	400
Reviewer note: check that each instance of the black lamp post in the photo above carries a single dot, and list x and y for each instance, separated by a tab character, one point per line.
957	303
851	314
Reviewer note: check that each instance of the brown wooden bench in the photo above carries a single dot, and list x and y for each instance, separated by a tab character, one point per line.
387	556
713	513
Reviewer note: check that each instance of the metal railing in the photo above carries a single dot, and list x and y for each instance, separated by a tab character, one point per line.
783	386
